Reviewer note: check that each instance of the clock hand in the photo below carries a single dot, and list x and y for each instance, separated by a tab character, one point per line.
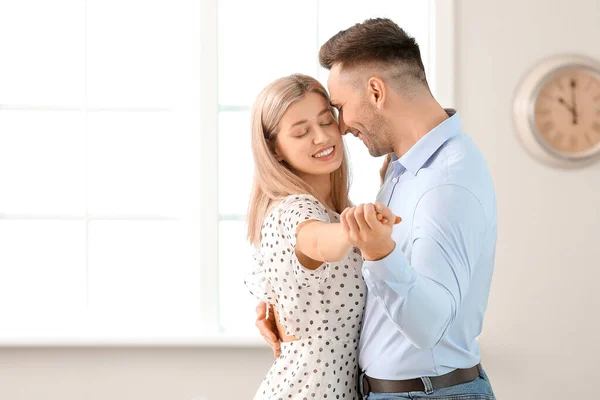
574	112
564	103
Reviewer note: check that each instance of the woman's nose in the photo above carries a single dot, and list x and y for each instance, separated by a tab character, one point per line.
320	135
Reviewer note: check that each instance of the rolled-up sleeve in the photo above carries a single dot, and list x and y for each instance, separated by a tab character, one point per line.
422	293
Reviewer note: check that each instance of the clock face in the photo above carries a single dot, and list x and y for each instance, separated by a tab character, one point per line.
567	112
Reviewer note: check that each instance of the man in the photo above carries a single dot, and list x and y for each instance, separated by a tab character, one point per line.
428	286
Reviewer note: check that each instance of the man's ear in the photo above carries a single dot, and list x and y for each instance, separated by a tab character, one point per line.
377	92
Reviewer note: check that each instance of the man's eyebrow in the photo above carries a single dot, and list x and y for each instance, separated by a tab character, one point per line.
324	111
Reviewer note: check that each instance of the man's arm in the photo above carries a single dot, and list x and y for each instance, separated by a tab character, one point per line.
422	295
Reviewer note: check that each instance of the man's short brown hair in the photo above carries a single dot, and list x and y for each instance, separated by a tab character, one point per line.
375	41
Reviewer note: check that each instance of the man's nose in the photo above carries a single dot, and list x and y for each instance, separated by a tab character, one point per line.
343	126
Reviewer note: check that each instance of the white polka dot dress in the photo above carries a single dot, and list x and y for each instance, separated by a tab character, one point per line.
322	307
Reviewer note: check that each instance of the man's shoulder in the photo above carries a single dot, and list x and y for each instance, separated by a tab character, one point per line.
460	164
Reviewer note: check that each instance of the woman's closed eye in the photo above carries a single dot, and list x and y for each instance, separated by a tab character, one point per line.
301	134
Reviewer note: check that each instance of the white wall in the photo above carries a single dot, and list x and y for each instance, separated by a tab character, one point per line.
540	334
541	330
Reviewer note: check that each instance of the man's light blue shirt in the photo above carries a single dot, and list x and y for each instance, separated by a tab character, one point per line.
426	300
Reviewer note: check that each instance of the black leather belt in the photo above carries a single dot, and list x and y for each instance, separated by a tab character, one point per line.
456	377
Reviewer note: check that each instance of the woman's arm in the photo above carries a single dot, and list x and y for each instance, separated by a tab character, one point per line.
321	241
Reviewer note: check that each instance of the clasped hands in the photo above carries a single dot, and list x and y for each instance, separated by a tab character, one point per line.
369	227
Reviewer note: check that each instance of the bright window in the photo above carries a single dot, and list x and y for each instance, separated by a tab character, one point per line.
125	164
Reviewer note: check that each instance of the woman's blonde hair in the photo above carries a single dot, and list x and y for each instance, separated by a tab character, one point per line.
273	181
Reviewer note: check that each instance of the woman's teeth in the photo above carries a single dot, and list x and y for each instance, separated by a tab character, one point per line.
324	153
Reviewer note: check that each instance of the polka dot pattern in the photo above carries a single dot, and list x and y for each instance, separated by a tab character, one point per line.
322	307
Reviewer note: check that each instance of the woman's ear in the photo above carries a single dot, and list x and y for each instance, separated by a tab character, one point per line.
278	155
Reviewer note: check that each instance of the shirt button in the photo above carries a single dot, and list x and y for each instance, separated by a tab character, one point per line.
395	180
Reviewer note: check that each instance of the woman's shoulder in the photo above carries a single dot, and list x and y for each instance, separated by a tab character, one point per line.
302	204
296	208
299	199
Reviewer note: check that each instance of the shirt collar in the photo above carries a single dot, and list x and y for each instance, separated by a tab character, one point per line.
421	152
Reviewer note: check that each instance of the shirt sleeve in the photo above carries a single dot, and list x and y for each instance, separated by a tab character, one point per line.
423	294
295	210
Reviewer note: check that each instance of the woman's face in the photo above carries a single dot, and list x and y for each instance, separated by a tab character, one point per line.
309	140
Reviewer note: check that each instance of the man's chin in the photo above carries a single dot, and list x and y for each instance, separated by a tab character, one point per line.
375	152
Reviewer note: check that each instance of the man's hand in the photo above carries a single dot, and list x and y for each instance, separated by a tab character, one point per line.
369	227
268	327
384	167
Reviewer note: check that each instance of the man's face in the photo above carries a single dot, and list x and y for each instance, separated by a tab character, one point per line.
357	112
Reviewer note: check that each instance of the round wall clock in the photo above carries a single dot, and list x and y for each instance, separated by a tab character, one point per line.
557	111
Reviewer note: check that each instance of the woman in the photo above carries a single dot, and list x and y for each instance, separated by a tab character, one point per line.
305	265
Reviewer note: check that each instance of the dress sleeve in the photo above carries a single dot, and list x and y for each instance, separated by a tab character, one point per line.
293	211
257	281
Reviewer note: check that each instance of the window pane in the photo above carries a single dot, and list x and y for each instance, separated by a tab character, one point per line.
42	276
260	41
42	162
144	278
236	164
138	52
42	47
142	163
236	304
364	171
